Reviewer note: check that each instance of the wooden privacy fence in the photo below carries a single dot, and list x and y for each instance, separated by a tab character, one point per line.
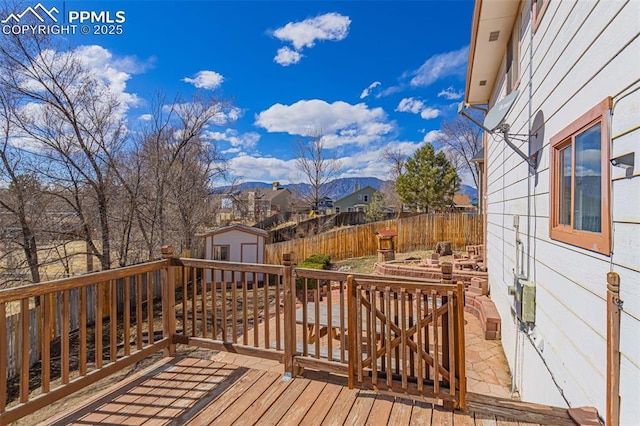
414	233
362	326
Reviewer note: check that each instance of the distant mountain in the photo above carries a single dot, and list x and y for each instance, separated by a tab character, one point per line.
469	191
339	188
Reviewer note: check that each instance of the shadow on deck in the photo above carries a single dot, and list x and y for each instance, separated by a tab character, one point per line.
199	389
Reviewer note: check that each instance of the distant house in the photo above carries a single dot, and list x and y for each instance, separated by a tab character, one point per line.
462	203
325	205
256	204
234	243
357	201
562	234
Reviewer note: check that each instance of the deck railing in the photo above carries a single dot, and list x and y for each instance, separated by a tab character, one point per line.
407	331
323	320
109	337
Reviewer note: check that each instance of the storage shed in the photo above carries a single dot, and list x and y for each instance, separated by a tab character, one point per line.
235	243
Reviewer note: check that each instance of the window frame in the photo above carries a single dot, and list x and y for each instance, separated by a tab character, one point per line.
513	50
220	246
538	12
599	242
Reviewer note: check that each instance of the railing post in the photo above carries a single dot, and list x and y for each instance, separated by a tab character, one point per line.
460	346
613	349
351	328
289	315
447	275
169	300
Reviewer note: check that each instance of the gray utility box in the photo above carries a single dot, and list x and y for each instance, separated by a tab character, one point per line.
524	299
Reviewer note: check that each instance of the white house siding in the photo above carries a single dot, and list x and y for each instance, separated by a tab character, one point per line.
582	52
235	239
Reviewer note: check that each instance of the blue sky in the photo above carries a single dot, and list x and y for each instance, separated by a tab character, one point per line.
367	74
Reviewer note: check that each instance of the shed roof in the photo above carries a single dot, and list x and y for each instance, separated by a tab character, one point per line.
236	227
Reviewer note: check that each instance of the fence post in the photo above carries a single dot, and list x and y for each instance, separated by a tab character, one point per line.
169	300
289	315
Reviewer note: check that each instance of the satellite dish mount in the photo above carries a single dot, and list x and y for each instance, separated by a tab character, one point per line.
494	122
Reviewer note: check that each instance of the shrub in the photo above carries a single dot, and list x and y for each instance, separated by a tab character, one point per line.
320	259
315	261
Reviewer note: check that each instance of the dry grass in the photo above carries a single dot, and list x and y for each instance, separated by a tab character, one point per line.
366	264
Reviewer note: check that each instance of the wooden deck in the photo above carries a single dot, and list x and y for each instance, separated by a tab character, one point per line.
195	390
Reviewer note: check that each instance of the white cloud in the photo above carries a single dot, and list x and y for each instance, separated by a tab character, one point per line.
341	123
209	80
330	26
368	163
429	113
265	169
106	67
410	105
440	66
451	94
108	75
356	163
145	117
304	34
433	136
287	56
366	92
227	116
239	141
417	106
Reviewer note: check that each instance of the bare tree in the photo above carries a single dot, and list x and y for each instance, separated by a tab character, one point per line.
462	140
22	200
395	159
72	118
316	166
179	164
127	194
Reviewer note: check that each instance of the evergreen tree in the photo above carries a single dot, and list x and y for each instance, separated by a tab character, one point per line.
375	209
429	181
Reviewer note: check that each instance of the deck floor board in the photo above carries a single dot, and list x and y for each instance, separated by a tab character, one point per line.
299	408
319	408
381	410
277	411
194	391
401	411
341	407
361	408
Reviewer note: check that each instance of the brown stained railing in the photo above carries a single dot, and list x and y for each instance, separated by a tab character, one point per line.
231	306
382	329
407	332
73	307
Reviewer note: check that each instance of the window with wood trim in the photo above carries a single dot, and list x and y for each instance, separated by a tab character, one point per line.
513	57
221	252
539	7
579	170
